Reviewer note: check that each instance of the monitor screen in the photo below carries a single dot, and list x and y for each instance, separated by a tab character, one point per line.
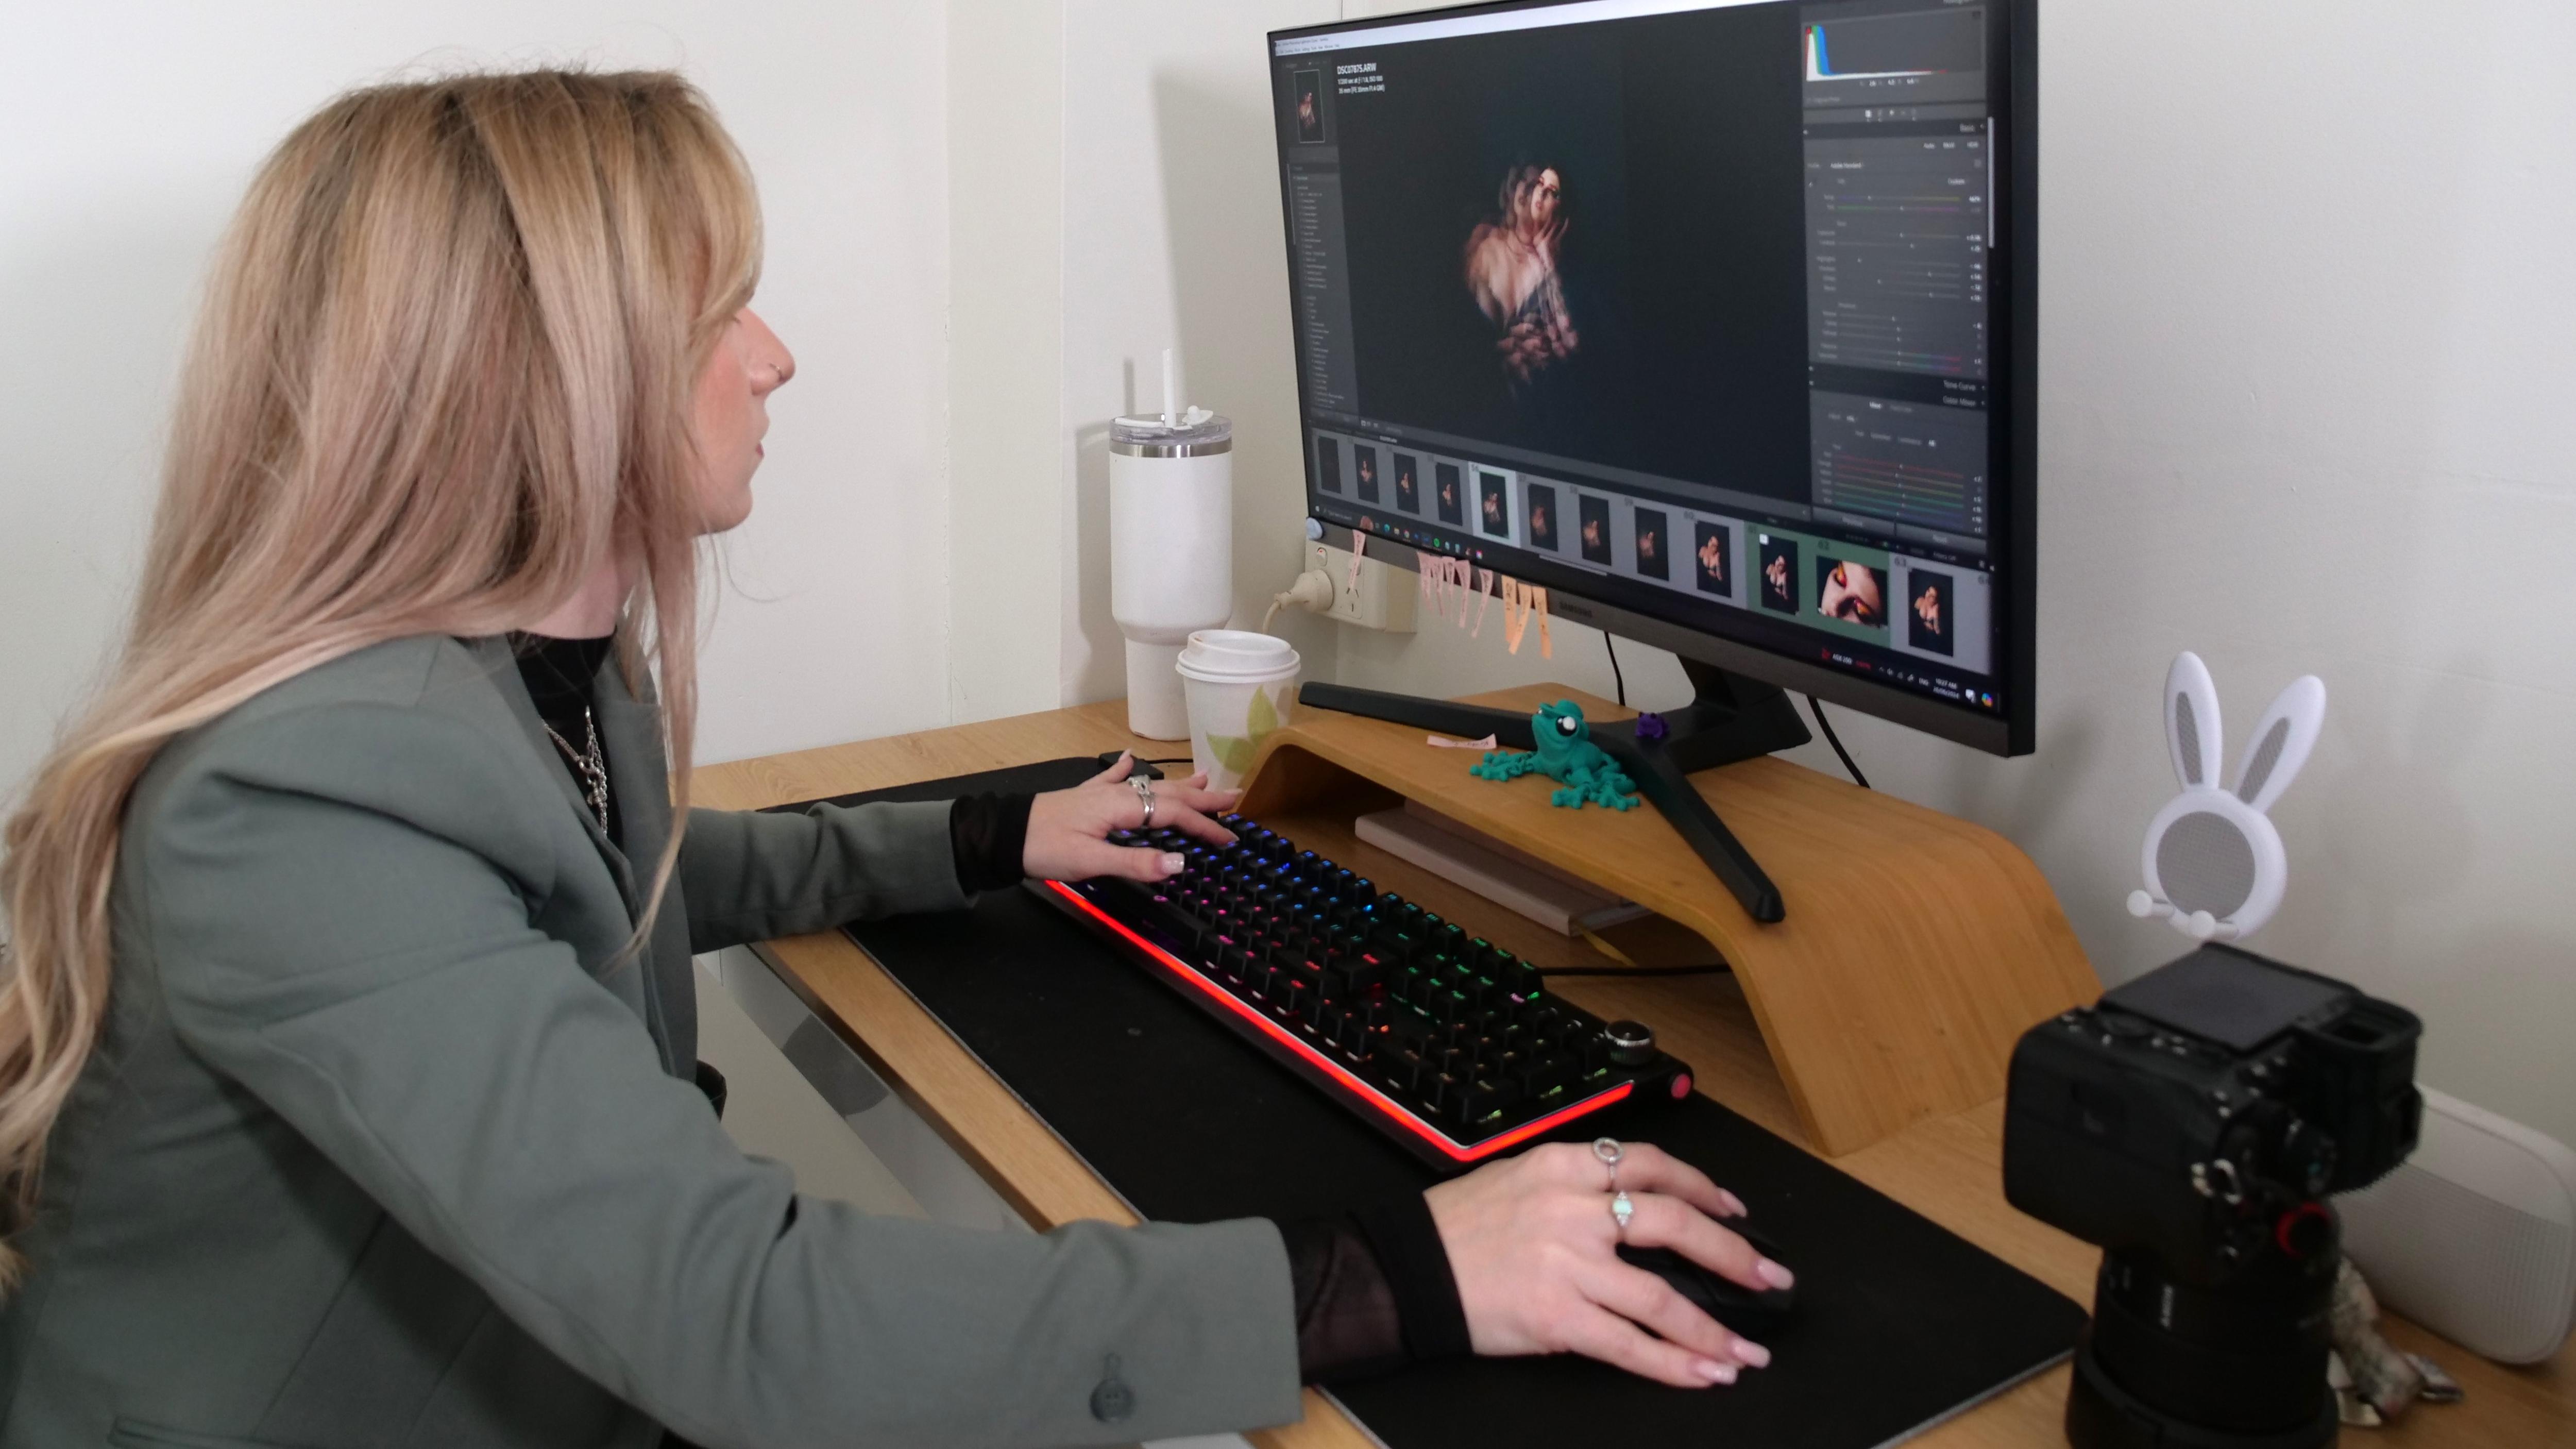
1696	308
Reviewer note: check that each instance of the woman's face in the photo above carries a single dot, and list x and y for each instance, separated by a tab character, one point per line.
748	365
1538	199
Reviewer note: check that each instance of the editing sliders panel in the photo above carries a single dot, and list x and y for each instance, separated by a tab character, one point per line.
1896	253
1905	469
1899	213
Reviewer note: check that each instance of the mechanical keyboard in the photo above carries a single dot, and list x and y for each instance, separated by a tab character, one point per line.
1448	1044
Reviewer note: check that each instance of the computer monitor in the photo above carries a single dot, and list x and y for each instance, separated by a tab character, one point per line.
1716	318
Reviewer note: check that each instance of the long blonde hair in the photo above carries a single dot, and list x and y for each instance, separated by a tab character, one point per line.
444	370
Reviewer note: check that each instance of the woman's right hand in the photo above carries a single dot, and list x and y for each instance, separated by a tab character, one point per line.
1534	1250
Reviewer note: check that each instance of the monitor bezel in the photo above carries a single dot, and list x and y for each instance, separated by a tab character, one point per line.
2013	421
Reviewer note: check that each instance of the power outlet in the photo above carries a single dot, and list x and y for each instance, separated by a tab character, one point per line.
1381	596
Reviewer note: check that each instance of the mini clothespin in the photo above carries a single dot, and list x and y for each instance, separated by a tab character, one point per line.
1516	613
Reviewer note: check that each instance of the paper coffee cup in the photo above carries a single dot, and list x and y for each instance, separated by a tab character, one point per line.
1240	686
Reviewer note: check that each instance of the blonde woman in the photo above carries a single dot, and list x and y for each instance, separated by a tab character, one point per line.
348	1090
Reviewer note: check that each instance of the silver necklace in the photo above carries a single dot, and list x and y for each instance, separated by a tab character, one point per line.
592	763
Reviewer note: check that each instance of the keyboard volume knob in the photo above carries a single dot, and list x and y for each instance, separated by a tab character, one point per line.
1632	1044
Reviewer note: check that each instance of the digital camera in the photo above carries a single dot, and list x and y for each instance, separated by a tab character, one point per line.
2193	1124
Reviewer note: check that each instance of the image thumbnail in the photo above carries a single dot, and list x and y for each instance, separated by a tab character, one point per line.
1496	494
1408	492
1453	508
1328	464
1595	529
1715	548
1929	616
1540	501
1778	587
1651	544
1364	464
1309	88
1852	592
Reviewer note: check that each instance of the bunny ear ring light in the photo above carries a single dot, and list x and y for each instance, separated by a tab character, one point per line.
2213	862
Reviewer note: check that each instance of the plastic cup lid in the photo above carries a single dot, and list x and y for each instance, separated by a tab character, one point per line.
1240	641
1236	654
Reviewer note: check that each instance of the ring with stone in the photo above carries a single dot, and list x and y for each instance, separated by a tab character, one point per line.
1607	1149
1144	789
1621	1209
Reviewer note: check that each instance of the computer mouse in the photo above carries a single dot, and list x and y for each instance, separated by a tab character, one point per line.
1143	770
1758	1314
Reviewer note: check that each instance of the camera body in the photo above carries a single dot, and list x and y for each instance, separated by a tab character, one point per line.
2193	1125
2203	1112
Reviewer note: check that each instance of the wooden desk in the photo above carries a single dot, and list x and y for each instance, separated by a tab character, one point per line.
1947	1168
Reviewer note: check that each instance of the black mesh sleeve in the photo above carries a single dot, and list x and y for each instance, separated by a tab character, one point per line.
989	834
1416	1263
1373	1292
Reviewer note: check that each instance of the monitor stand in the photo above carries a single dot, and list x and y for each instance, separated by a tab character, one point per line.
1730	718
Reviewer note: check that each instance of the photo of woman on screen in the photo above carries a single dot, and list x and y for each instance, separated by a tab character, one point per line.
1715	539
1852	592
1540	499
1512	262
1310	109
1651	560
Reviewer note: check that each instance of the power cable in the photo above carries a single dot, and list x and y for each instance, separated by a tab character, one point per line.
1835	740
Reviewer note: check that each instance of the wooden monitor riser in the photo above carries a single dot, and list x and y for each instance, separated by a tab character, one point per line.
1916	950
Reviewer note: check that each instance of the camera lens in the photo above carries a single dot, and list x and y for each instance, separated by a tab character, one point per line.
2248	1358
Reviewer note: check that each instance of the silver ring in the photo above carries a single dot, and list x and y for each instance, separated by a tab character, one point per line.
1607	1149
1144	789
1621	1209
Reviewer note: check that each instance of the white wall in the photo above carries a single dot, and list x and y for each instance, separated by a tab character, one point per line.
1010	504
135	127
2307	337
1172	237
1112	196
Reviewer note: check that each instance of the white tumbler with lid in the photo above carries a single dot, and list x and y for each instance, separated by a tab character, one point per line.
1171	552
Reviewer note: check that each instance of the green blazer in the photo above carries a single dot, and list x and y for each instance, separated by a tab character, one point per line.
384	1145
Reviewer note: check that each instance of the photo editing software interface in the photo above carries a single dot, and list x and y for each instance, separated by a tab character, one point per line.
1680	307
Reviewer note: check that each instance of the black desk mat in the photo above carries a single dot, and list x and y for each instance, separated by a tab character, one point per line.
1900	1323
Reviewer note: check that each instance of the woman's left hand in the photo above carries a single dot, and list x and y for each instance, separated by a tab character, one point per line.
1067	827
